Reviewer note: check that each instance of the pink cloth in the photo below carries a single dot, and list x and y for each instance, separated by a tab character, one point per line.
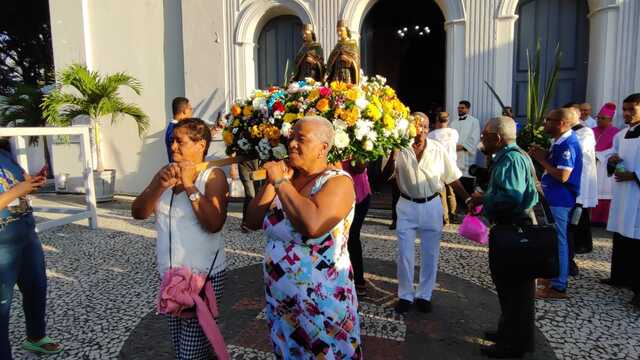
360	181
179	291
600	214
604	137
608	110
474	229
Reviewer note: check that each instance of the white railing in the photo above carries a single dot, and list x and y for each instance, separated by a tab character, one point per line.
74	214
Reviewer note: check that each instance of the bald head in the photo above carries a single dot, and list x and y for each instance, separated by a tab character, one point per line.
505	127
574	113
322	128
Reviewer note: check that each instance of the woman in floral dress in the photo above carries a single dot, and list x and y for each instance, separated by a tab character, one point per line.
306	208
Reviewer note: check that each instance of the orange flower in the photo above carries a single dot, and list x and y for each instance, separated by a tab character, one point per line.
247	111
235	110
322	105
227	136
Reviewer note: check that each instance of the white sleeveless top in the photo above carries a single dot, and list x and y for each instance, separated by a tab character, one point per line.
191	245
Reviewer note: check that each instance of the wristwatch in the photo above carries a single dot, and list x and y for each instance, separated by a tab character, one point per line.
194	196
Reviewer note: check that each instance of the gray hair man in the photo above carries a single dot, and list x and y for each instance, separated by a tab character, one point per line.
509	199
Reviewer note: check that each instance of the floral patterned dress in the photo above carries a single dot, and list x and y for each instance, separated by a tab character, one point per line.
310	294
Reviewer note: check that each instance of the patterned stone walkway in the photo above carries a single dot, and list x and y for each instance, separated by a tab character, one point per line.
102	286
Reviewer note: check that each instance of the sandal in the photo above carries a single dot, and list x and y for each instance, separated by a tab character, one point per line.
38	347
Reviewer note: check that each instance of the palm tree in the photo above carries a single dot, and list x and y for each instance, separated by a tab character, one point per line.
95	96
22	109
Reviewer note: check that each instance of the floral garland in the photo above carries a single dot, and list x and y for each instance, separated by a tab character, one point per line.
369	120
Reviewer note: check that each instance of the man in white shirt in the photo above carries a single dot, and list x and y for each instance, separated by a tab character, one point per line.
448	137
468	129
624	216
422	170
580	233
585	116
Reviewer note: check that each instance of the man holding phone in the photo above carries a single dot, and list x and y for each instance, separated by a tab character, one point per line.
21	258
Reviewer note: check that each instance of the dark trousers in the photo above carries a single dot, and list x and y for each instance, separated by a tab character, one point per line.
625	264
354	245
468	183
517	306
22	263
580	237
245	169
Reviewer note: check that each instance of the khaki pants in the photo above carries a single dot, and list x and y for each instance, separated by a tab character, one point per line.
449	204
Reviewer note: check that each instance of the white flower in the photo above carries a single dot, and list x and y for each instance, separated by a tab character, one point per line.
285	129
259	103
368	145
278	114
402	125
293	88
263	149
244	144
372	135
341	139
340	125
381	79
279	152
363	127
362	103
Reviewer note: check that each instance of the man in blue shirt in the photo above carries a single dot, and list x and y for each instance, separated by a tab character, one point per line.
561	186
182	109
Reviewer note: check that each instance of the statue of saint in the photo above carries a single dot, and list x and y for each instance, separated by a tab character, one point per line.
344	61
310	58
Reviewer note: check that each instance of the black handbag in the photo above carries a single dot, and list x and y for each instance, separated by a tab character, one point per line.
525	251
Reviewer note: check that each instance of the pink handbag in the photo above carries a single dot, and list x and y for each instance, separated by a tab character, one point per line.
474	229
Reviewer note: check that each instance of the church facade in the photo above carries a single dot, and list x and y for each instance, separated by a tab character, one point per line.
214	51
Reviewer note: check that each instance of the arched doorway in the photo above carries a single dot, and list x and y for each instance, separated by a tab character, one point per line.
553	22
405	42
278	43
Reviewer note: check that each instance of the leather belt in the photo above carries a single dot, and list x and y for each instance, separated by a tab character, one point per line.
420	200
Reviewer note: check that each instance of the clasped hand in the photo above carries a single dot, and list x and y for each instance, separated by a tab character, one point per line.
277	170
174	174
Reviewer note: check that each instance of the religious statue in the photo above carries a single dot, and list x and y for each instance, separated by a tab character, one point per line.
310	58
344	61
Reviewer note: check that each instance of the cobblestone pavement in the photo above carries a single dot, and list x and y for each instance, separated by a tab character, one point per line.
102	286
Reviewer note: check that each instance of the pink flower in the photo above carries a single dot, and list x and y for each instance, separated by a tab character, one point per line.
325	92
178	289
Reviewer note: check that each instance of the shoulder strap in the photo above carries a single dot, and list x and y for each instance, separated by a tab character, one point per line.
543	201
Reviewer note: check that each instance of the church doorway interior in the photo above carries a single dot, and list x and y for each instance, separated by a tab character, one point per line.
278	43
405	41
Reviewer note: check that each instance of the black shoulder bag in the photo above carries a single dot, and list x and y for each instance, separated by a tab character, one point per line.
522	250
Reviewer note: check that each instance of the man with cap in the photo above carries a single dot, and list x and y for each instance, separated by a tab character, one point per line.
604	134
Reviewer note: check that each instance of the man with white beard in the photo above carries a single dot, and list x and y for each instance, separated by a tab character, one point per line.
580	226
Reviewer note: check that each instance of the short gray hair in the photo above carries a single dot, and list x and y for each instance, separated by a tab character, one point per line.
323	128
505	127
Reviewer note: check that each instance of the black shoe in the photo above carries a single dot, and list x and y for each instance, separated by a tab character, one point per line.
403	306
573	269
635	301
423	305
491	336
583	250
392	226
500	352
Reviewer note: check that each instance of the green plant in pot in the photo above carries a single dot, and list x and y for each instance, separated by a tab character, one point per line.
537	101
81	92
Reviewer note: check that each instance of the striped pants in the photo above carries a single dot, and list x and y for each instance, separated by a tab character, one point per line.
189	341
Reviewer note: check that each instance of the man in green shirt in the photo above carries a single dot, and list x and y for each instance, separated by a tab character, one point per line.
509	198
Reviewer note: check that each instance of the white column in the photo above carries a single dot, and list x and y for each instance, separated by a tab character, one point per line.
70	32
505	36
454	64
246	71
603	25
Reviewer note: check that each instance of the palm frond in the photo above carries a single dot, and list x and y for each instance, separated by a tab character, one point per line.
111	83
79	77
495	94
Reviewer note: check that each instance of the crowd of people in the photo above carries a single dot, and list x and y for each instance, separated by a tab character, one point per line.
311	212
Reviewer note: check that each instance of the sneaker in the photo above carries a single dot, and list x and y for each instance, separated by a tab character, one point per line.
551	294
543	283
423	305
403	306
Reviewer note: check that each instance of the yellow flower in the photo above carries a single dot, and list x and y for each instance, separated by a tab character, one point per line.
235	110
338	86
352	94
412	130
313	94
350	116
247	111
388	122
227	136
236	123
256	132
322	105
273	134
389	92
373	112
289	117
387	107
